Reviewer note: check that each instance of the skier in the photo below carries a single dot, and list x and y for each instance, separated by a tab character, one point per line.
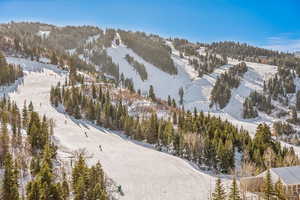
100	148
85	134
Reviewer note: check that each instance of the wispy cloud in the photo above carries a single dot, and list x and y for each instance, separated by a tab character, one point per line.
285	42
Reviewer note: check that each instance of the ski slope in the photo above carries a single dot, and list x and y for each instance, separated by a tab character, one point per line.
164	84
142	172
252	81
197	90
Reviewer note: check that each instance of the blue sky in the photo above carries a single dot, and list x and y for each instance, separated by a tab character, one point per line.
267	23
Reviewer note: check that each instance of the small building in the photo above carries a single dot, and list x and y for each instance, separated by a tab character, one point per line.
289	176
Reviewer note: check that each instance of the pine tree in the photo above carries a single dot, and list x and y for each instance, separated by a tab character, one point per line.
96	186
151	93
268	187
169	101
279	190
181	93
54	60
219	193
10	180
298	100
34	134
65	187
152	135
97	193
122	79
30	107
4	139
294	114
174	103
94	91
33	190
43	186
77	112
79	190
234	191
79	170
168	133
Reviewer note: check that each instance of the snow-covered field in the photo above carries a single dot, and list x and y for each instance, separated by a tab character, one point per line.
142	172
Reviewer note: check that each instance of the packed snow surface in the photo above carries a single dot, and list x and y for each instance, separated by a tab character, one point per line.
143	172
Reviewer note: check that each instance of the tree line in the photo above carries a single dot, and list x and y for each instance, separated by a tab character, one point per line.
281	84
267	191
204	140
203	64
151	48
256	102
139	67
221	92
30	165
9	73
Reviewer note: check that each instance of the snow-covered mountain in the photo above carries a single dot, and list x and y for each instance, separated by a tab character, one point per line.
197	90
127	162
146	61
106	51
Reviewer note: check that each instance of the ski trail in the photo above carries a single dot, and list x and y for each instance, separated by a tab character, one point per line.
142	172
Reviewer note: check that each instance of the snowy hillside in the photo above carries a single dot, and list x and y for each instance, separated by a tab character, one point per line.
196	90
160	151
164	83
127	162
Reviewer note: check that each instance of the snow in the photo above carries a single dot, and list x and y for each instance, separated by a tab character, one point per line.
43	34
93	38
114	41
143	172
252	81
156	77
5	90
45	60
197	90
34	66
202	51
128	162
71	51
184	62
